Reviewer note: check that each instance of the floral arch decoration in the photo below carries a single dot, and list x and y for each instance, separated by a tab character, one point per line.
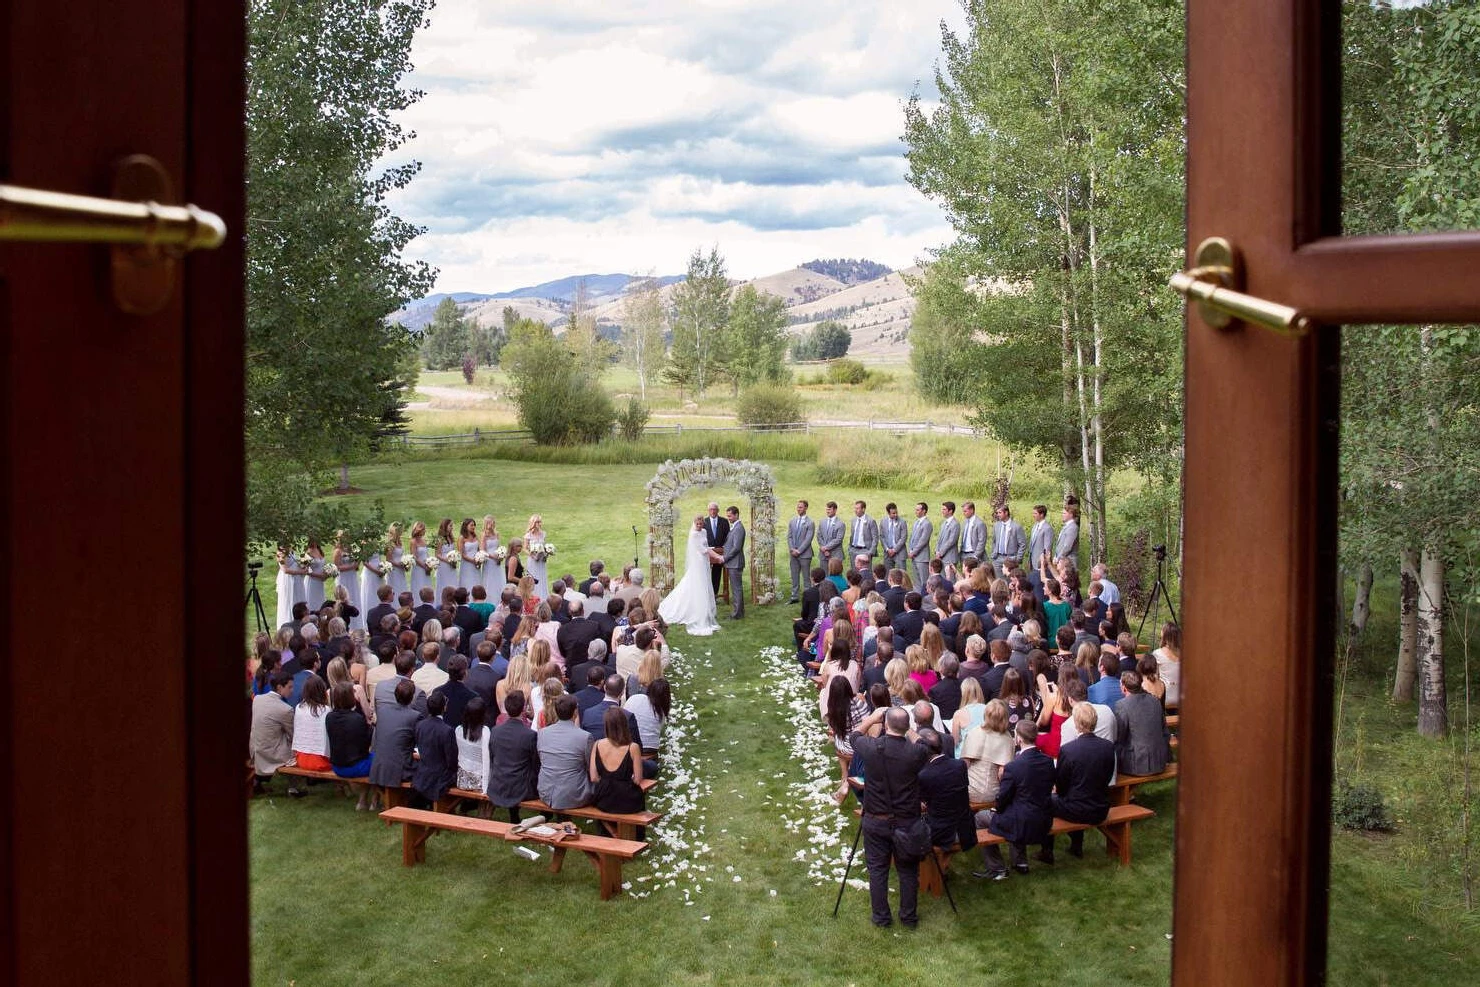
756	482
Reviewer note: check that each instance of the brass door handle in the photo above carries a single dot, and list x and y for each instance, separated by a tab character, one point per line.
146	237
1213	285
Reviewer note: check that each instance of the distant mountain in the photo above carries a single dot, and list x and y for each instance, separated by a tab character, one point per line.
597	286
848	271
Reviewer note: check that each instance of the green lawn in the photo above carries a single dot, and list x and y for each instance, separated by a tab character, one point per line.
332	905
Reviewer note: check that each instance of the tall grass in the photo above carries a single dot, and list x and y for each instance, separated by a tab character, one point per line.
958	465
782	447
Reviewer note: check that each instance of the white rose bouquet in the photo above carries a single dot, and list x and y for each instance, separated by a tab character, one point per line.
451	559
480	558
432	563
501	554
330	569
549	549
406	563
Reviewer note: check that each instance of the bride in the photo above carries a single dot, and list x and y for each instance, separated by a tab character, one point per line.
692	601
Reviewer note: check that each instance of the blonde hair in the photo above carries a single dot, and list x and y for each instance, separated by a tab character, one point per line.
527	626
933	643
1032	630
1085	718
526	585
393	534
336	624
535	521
918	658
551	690
338	672
971	691
995	718
650	667
418	530
489	525
896	674
650	598
518	675
431	631
976	646
539	652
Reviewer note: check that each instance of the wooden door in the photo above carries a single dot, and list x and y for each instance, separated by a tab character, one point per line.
1263	171
122	813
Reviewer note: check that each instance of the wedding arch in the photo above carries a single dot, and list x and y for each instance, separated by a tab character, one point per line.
756	482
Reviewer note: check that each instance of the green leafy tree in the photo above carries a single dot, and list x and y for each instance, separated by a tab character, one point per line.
447	338
700	316
827	340
560	401
324	252
756	338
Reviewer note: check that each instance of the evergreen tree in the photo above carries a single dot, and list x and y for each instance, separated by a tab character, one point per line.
446	339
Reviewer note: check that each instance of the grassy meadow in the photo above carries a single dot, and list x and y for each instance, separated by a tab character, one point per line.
332	904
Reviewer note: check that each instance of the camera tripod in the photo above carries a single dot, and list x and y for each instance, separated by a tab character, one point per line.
858	836
254	599
1159	592
636	550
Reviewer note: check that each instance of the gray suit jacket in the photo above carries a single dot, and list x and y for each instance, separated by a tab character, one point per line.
1008	540
799	533
734	550
948	546
1039	542
919	544
974	537
565	779
395	738
1068	545
830	531
893	531
864	533
385	695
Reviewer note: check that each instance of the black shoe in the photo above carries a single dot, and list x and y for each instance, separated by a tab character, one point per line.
882	923
1020	868
1076	851
996	875
297	793
909	923
1043	856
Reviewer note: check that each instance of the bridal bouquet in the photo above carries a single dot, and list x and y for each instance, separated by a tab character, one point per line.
500	553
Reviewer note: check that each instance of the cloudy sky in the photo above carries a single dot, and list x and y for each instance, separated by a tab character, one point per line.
579	137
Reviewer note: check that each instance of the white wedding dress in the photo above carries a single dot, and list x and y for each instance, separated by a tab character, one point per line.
692	601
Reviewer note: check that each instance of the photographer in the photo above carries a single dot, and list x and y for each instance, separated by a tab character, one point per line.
891	803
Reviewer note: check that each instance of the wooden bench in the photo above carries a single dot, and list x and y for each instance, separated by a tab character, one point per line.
1124	786
606	853
1116	827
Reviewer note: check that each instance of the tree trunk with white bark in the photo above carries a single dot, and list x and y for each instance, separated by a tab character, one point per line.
1407	672
1433	705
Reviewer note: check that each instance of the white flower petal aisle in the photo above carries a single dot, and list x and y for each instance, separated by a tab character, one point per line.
678	849
810	809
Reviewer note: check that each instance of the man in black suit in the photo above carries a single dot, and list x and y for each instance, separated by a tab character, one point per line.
604	613
592	692
576	635
1001	652
455	690
894	595
891	800
381	610
595	658
425	610
909	624
559	608
597	568
1024	812
591	716
468	620
811	607
514	770
1082	778
943	790
482	677
874	673
716	531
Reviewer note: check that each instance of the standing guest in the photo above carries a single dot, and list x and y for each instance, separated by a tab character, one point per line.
349	740
310	741
946	693
435	770
616	768
943	789
987	751
472	747
1169	663
1024	812
395	738
1067	546
891	800
1055	710
1055	608
1140	729
1082	779
455	691
893	535
271	742
917	548
564	749
1008	540
1109	592
513	759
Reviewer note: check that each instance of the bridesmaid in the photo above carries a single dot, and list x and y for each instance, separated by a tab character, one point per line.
316	577
349	578
421	573
448	552
534	540
371	580
395	559
287	563
513	567
493	569
469	573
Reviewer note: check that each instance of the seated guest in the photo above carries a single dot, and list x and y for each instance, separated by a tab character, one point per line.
486	670
1024	812
1001	654
603	612
651	708
924	715
575	635
429	677
986	751
272	728
455	691
629	656
425	610
551	689
385	607
520	678
435	770
595	657
1086	663
946	694
452	644
1126	646
1169	663
472	747
385	692
564	749
513	759
1106	691
943	790
349	739
969	714
479	603
308	668
594	717
975	649
1140	729
874	668
616	768
1082	778
592	692
300	614
1078	695
1086	623
395	737
386	630
1014	695
310	742
1151	682
649	670
910	624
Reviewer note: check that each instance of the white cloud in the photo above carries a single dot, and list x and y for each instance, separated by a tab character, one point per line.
601	136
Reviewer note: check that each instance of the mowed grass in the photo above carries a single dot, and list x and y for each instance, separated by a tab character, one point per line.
332	904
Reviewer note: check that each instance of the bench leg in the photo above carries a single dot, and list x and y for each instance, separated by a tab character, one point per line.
611	875
1118	842
557	859
413	844
1120	796
931	874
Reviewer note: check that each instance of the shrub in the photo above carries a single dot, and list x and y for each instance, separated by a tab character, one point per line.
768	405
469	368
632	420
1360	807
846	372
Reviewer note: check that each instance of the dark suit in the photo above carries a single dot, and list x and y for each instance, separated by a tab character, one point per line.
946	694
378	613
423	613
1081	784
907	629
574	638
471	622
457	694
894	600
483	680
585	588
436	769
515	765
890	799
947	805
716	530
1024	812
605	623
592	717
587	697
992	680
802	626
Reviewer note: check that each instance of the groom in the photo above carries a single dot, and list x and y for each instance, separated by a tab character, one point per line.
733	556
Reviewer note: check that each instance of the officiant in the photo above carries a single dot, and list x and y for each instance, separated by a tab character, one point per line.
716	532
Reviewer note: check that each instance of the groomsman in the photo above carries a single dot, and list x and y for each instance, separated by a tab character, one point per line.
1040	543
830	536
1068	544
948	545
918	548
973	533
799	543
1007	539
864	538
893	533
